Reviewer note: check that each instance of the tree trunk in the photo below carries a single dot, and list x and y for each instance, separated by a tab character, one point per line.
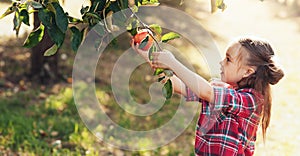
44	69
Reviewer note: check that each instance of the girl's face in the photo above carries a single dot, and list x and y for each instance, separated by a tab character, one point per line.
232	67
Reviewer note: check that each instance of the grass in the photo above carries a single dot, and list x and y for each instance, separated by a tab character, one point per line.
30	125
43	120
35	128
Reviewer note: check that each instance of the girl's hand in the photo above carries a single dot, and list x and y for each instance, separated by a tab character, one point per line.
163	59
142	53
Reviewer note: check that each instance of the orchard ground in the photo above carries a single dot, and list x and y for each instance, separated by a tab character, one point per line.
44	119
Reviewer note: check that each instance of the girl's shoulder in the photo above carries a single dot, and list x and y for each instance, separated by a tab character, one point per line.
237	95
251	91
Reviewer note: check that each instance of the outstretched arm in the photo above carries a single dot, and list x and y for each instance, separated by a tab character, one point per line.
178	85
183	76
195	82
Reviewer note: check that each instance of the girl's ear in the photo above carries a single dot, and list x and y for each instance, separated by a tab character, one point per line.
248	72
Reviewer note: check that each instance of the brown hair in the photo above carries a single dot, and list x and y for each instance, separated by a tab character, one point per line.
260	55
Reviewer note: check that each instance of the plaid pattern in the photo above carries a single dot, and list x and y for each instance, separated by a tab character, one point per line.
228	126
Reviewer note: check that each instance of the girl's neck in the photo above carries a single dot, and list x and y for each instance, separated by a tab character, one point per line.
233	85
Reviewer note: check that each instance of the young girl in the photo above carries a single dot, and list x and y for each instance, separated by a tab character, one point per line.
233	108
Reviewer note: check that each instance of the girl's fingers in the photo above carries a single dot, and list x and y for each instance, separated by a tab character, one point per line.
132	44
135	47
144	54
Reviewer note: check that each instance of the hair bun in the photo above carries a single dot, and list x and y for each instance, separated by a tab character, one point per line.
274	74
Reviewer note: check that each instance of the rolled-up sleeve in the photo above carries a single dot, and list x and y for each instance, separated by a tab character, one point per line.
190	96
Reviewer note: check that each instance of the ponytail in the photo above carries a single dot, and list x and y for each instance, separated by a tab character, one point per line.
267	73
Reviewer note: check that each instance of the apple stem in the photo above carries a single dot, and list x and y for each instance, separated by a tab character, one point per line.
146	27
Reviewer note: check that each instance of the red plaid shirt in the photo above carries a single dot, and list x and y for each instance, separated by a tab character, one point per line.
227	126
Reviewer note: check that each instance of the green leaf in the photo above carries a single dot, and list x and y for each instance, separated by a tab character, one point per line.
24	17
91	18
124	4
61	18
114	6
129	22
131	25
50	6
53	1
135	8
150	2
92	15
220	4
46	17
76	38
73	19
168	89
34	37
51	51
56	35
17	22
133	31
97	5
34	4
161	78
99	29
168	73
151	50
158	71
144	42
156	28
137	2
169	36
8	11
84	10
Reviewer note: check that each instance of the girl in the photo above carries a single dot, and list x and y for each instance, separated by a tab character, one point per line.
233	108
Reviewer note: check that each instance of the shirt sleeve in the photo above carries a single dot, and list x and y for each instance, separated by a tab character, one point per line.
241	103
190	96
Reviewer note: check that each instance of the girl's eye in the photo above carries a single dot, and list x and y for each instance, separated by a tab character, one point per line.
227	59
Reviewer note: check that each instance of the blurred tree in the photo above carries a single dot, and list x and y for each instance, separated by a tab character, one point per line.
43	68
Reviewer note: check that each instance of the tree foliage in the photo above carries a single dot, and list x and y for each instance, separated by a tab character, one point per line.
97	15
57	22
